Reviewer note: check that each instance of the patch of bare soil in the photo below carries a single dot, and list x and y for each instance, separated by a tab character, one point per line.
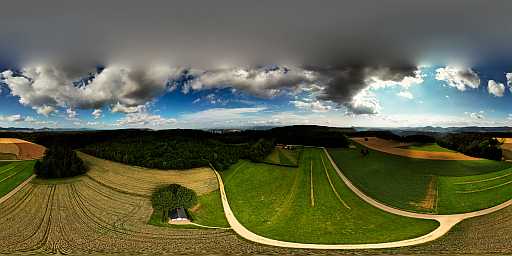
430	201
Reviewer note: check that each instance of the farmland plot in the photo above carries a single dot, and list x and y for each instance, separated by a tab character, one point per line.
84	216
142	181
80	216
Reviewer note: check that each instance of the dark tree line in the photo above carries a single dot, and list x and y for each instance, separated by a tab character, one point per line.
178	152
183	148
473	144
60	162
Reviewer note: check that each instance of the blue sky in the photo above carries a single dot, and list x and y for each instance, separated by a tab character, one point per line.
222	99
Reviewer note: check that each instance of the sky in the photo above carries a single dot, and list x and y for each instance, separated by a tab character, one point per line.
237	64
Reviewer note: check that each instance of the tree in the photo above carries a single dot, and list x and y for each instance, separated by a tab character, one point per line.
167	198
60	162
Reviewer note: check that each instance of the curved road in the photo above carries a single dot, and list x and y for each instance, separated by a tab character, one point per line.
446	221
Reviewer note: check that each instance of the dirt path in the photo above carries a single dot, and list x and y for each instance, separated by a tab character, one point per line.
15	190
446	221
391	147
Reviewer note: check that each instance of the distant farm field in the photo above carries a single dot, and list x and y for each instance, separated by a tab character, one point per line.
11	149
13	174
310	204
412	150
284	157
7	156
430	186
432	147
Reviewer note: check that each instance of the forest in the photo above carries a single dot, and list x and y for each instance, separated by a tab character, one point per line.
184	148
473	144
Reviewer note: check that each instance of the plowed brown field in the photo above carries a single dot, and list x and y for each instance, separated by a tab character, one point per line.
23	150
391	147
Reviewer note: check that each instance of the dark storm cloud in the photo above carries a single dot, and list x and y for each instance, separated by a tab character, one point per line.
328	35
343	83
206	34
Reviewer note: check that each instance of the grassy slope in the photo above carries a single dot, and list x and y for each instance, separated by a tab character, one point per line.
274	201
433	147
2	163
210	211
13	174
401	182
495	188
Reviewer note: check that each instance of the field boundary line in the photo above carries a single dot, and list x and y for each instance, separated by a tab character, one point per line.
16	189
311	185
483	189
332	185
484	180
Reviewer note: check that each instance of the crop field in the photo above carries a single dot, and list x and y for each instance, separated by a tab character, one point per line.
310	204
402	149
285	157
142	181
85	216
14	173
7	156
430	186
11	148
432	147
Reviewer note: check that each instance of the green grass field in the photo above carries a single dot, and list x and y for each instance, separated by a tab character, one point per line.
425	185
2	163
14	173
276	202
208	212
433	147
285	157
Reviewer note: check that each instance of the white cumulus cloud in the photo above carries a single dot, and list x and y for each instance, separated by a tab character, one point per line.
315	106
495	88
460	78
97	113
145	119
43	86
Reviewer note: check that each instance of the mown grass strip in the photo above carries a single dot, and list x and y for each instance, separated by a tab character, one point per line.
332	185
484	189
311	185
484	180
